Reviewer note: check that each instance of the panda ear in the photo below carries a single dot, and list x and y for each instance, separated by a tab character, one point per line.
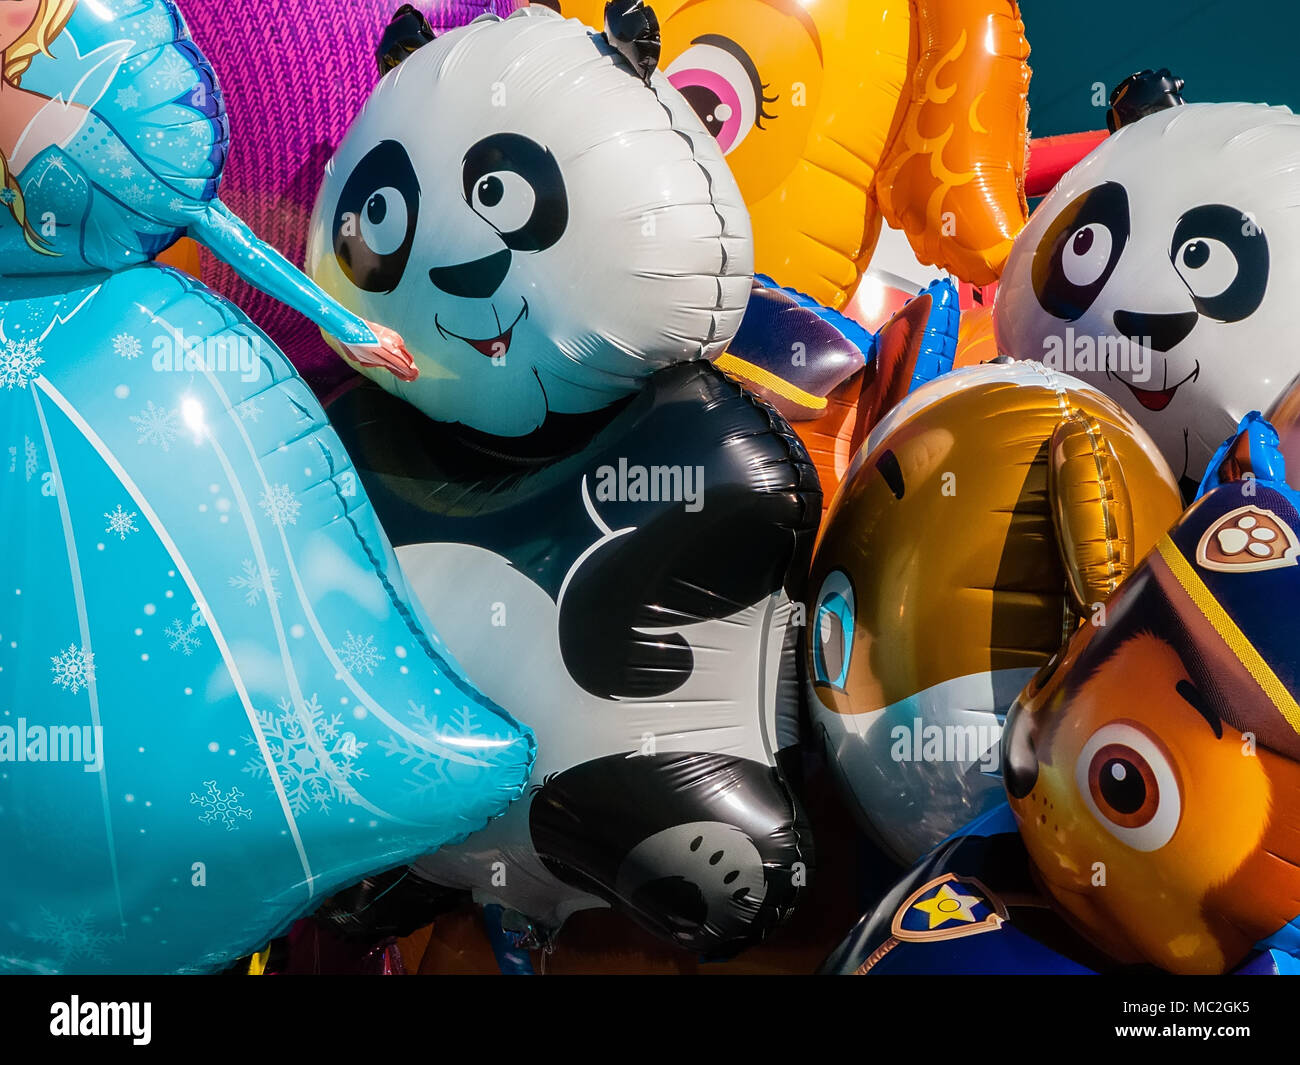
632	29
407	31
1142	94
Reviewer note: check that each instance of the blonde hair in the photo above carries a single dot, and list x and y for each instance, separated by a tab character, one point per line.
51	18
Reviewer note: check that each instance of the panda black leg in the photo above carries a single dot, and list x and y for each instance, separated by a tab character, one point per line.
704	849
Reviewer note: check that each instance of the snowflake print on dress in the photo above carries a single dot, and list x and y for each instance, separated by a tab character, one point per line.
159	26
248	410
252	583
120	522
181	637
73	938
20	363
308	779
116	151
73	669
173	74
157	426
430	769
280	505
219	808
127	346
360	655
127	98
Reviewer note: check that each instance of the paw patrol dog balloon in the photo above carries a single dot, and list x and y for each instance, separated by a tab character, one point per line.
211	664
1163	269
836	113
1165	744
985	514
623	519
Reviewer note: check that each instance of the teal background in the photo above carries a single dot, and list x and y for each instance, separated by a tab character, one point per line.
1224	50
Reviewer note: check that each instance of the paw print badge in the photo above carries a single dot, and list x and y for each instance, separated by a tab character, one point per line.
1248	538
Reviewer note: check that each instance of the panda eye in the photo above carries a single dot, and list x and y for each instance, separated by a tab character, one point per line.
833	623
1080	250
375	218
504	200
1222	256
515	185
1086	255
1207	266
384	221
1129	785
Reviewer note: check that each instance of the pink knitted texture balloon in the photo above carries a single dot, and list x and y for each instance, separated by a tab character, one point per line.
294	74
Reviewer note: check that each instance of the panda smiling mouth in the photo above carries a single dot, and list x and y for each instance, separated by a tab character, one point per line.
490	347
1152	399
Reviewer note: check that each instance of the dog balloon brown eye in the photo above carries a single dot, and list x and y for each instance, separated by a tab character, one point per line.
1123	786
1130	786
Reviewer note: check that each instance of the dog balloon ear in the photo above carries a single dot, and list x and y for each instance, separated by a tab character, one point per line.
1251	455
1092	511
407	31
632	29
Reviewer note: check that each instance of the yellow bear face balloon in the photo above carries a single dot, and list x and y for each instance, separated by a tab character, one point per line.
836	113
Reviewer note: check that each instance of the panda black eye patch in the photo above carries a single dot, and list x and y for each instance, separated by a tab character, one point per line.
1221	254
1078	253
375	220
515	185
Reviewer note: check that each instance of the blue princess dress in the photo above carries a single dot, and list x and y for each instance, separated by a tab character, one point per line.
218	701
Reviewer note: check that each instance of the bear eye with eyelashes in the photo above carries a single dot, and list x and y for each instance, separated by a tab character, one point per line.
515	185
375	219
723	86
1080	251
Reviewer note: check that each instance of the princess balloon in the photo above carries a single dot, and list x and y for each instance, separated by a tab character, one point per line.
214	686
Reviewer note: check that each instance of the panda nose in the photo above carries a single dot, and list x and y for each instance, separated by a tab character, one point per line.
1162	331
1019	758
477	280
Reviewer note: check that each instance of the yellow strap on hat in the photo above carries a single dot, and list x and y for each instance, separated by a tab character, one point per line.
1204	600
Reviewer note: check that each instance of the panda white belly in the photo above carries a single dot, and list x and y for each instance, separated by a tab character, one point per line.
503	631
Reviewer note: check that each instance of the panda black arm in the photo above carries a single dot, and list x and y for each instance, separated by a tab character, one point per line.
739	528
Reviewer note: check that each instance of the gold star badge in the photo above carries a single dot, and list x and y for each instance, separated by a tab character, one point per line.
948	905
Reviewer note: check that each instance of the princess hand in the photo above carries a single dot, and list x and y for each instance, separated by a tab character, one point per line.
389	354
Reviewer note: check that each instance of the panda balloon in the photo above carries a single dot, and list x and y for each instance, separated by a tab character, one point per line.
1164	269
611	529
